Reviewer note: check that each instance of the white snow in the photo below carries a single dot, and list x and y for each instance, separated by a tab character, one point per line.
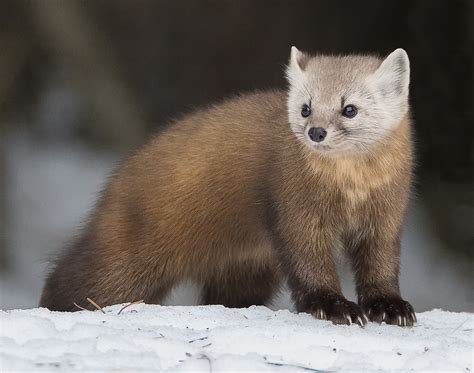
214	338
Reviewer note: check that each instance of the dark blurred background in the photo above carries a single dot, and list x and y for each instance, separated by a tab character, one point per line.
82	83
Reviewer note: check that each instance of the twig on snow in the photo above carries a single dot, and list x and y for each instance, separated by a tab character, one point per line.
294	366
130	304
204	356
197	339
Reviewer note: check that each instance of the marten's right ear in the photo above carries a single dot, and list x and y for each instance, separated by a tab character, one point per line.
298	59
298	62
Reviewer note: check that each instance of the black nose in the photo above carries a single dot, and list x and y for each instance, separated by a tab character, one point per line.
317	134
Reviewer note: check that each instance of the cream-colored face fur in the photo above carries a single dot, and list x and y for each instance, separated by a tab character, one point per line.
378	89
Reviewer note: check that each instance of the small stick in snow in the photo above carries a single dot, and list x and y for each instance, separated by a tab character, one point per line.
293	365
99	308
197	339
204	356
128	305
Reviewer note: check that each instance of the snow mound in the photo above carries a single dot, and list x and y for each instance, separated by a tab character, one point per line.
214	338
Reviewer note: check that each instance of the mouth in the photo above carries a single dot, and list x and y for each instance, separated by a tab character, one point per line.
320	147
325	147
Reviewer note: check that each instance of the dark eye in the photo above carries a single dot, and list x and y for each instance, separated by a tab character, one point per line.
305	111
349	111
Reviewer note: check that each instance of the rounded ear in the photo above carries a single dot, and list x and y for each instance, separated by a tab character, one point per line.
392	77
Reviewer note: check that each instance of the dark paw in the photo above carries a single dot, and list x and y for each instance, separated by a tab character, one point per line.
337	309
393	311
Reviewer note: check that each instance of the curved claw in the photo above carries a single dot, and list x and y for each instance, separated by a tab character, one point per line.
337	309
393	311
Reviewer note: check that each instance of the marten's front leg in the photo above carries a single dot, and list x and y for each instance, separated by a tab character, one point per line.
313	279
376	265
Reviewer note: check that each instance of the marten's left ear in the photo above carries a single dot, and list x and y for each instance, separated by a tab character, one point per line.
393	75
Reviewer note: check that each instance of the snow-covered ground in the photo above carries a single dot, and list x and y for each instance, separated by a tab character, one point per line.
214	338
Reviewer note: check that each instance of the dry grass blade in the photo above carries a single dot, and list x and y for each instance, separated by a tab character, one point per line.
95	305
81	308
128	305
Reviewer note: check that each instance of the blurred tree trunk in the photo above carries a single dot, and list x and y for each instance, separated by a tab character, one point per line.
76	41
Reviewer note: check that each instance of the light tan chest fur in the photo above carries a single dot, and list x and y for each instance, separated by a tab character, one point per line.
357	177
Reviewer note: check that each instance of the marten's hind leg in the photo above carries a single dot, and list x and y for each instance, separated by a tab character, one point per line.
64	288
80	274
242	285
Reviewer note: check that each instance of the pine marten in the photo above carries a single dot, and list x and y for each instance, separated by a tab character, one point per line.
261	189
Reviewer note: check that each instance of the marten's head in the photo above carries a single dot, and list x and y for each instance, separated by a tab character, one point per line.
344	105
